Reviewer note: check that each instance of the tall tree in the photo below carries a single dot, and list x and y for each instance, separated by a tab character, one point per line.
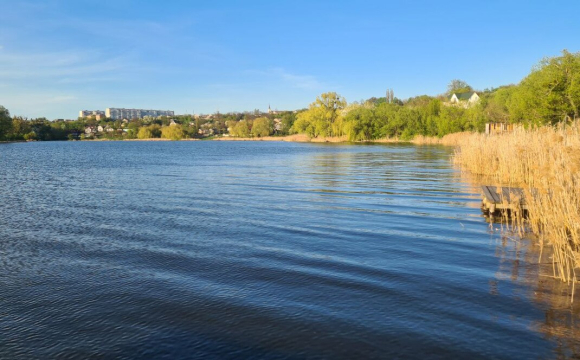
321	115
261	127
5	122
550	94
458	86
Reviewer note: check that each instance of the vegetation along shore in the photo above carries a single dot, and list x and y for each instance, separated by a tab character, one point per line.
545	161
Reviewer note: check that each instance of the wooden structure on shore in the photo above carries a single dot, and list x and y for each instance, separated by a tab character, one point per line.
498	128
506	199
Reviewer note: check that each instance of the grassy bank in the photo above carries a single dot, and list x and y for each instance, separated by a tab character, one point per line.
546	163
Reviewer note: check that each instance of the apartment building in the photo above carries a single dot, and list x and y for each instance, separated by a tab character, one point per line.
121	113
87	113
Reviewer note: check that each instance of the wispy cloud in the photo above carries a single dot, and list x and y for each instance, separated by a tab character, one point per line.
56	64
299	81
308	82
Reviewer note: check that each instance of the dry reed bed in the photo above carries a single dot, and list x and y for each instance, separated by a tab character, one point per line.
449	140
546	163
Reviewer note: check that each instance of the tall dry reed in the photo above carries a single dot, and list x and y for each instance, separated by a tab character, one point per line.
449	140
546	163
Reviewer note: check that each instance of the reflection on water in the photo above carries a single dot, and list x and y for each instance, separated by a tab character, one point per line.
523	261
262	250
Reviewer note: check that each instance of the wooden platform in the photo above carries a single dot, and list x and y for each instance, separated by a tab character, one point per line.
502	199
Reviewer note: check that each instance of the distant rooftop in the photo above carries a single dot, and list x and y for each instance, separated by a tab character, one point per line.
464	96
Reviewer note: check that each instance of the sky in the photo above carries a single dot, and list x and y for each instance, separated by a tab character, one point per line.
58	57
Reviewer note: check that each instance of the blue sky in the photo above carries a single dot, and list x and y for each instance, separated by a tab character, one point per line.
58	57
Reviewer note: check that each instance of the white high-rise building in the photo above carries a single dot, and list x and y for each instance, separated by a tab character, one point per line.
87	113
120	113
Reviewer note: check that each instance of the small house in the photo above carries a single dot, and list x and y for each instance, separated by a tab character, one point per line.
466	99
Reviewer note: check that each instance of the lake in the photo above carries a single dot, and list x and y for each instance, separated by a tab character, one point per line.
262	250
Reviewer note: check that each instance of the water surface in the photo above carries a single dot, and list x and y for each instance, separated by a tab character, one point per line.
259	250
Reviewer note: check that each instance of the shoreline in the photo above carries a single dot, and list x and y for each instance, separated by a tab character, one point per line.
152	139
448	140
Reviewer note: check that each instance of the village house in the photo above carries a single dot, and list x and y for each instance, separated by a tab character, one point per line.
466	99
206	129
89	130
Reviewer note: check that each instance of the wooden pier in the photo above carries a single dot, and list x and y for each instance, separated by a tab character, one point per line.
498	199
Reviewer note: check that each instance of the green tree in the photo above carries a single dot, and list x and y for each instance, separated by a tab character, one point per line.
458	86
287	122
452	120
172	132
20	126
551	93
5	122
321	115
496	104
149	132
359	124
241	129
261	127
144	133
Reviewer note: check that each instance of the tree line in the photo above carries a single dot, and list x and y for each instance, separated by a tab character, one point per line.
177	127
550	94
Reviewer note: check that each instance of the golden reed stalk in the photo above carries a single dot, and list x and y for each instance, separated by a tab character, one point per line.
544	161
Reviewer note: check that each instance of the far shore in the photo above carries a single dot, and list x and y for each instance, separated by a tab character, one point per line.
151	139
449	140
290	138
419	140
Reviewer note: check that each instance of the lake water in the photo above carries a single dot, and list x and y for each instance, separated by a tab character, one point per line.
261	250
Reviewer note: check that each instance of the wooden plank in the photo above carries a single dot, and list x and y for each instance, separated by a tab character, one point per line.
505	195
502	197
511	193
496	197
487	194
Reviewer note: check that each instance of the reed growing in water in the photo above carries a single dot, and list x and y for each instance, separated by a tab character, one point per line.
544	161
